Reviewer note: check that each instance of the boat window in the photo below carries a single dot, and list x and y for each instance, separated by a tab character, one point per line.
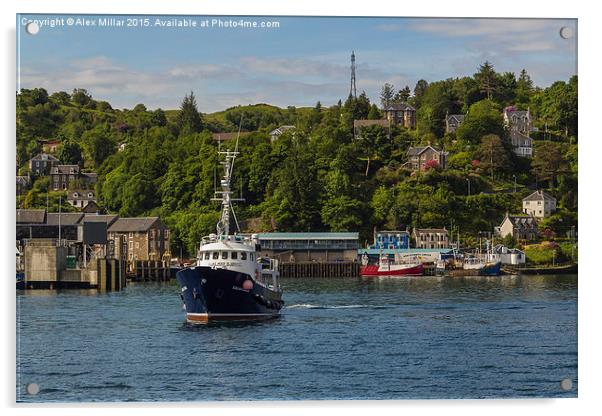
224	255
215	255
243	255
251	256
207	255
234	255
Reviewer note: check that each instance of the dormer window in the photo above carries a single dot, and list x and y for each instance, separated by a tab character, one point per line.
75	194
90	195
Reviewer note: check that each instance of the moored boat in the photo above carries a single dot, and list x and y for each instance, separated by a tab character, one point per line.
388	267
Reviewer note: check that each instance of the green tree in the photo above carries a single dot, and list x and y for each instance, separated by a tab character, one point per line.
387	93
549	161
70	153
493	156
484	117
189	118
524	88
486	78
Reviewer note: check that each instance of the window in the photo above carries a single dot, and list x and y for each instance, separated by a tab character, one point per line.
251	256
207	255
215	255
234	255
137	245
224	255
243	255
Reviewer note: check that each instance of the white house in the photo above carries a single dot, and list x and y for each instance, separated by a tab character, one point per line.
274	134
505	255
81	198
520	126
539	204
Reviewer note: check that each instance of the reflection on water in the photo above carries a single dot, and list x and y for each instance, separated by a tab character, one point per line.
371	338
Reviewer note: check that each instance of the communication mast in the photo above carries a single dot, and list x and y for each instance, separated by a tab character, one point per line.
352	89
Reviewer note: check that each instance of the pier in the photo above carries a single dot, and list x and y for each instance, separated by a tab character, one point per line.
319	270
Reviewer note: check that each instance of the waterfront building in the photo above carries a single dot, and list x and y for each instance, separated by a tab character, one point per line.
274	134
397	240
420	158
431	238
519	124
310	246
539	204
520	227
401	114
40	164
505	255
144	238
453	121
31	216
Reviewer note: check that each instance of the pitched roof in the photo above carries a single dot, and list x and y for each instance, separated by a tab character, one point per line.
139	224
31	216
44	156
415	151
364	123
308	236
430	230
67	218
23	180
66	169
91	176
280	130
459	117
399	107
108	219
539	196
81	194
521	221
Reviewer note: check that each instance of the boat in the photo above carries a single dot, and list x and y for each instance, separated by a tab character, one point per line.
554	269
482	267
230	280
390	267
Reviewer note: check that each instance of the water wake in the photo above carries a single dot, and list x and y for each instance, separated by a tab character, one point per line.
310	306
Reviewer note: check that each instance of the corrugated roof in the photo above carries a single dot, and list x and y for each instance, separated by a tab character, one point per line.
308	236
125	225
31	216
404	251
67	218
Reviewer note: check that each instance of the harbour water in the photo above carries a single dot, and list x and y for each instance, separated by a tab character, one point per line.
377	338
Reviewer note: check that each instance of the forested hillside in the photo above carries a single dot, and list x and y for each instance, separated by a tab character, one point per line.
316	177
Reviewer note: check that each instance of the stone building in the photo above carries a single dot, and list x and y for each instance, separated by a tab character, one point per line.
453	121
419	158
519	124
40	164
431	238
401	114
61	176
520	227
539	204
143	238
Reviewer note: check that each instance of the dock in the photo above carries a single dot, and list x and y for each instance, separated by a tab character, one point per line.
319	270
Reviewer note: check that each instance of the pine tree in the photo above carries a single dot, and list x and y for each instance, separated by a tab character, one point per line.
486	78
189	118
387	93
402	95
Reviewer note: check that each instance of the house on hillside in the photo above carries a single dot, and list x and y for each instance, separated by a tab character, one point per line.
539	204
143	238
274	134
520	227
401	114
453	121
40	164
23	184
63	177
420	158
519	124
358	125
79	198
430	238
50	146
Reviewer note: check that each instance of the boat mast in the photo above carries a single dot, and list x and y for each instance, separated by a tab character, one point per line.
223	225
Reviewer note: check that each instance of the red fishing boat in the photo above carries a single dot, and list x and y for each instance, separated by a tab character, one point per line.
389	267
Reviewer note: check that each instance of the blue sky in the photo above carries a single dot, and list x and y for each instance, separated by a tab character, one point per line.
303	61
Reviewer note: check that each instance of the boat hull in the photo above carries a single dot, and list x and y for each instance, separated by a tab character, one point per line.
212	294
376	270
491	269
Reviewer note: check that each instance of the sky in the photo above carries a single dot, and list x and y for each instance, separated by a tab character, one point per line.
300	62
